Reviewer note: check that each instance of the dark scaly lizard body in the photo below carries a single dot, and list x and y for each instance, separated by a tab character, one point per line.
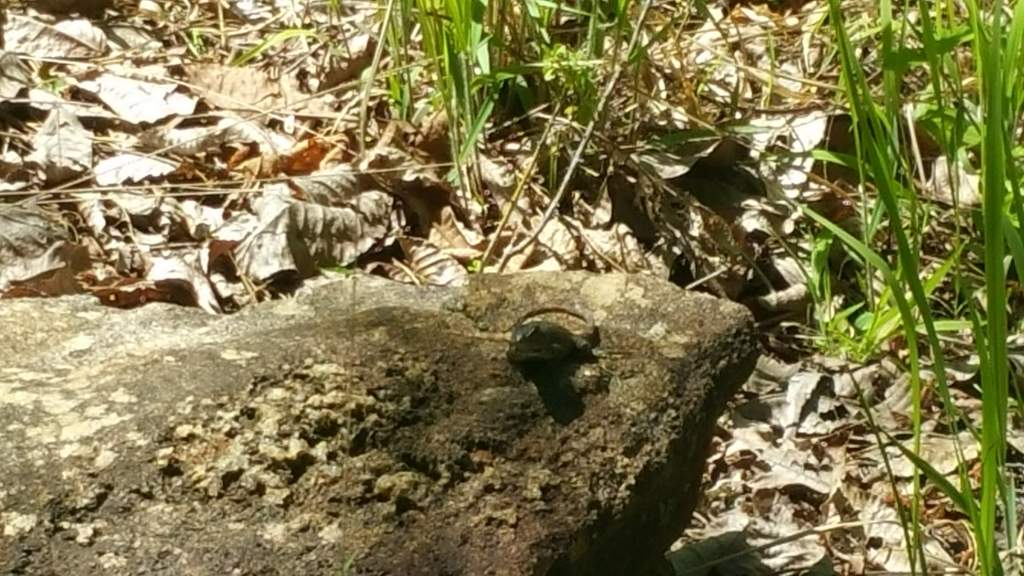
535	340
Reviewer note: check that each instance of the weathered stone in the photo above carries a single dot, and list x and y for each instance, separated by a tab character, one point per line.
361	424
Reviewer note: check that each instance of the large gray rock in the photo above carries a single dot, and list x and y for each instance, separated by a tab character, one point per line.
360	428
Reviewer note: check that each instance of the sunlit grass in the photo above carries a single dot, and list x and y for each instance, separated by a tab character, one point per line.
996	56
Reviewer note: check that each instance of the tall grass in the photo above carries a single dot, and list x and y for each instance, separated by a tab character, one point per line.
516	55
996	55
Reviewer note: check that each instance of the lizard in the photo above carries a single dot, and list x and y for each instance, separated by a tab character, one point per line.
534	340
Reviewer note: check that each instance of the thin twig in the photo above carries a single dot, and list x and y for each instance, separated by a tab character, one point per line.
520	186
378	53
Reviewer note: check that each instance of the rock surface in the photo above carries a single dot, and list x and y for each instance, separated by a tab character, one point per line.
360	428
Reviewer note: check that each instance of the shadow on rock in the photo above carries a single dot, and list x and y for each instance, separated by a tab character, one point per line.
554	382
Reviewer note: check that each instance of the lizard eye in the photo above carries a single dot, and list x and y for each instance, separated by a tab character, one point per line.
525	332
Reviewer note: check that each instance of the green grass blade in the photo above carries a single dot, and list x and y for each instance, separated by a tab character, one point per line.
275	39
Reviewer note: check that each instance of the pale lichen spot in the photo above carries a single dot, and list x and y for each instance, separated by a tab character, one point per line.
331	533
656	332
111	560
105	458
136	439
16	524
276	532
121	396
291	307
9	395
30	375
89	315
83	428
56	405
44	433
232	355
602	294
69	450
79	343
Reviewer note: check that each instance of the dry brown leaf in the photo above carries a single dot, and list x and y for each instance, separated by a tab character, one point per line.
358	56
62	147
297	238
138	101
335	186
423	193
456	239
235	88
966	191
131	167
180	279
305	157
36	252
249	89
431	265
76	38
13	76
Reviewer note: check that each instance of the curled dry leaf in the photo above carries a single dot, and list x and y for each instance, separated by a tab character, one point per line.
336	186
425	264
230	129
13	76
131	167
423	193
62	147
797	135
36	252
180	279
76	38
47	101
298	237
138	101
954	185
456	239
358	56
250	89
